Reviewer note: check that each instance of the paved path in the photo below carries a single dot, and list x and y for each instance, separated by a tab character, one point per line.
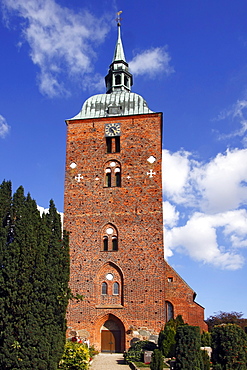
107	361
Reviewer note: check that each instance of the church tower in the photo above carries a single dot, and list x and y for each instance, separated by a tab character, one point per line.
113	211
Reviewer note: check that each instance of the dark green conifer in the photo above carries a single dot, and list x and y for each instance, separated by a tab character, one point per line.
34	291
166	340
157	361
188	353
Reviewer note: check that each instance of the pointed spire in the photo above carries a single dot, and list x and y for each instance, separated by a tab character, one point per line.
118	78
119	51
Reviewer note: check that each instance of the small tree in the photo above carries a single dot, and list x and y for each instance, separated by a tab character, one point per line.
157	360
166	341
226	318
229	344
188	343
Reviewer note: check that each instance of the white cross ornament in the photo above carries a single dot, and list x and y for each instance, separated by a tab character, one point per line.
79	177
151	173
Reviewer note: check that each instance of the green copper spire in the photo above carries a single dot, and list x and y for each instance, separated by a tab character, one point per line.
118	78
119	51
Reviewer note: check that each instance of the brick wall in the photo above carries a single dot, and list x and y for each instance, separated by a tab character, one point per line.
133	214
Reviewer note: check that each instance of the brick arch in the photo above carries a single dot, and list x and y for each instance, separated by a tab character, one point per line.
109	300
111	239
118	322
112	173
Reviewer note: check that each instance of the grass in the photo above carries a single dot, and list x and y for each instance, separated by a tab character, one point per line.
141	365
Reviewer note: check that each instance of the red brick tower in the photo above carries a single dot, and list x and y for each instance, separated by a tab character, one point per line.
113	210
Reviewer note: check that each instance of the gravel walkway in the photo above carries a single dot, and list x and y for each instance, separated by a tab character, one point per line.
107	361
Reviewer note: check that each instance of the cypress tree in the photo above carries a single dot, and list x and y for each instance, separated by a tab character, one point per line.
34	290
157	361
166	340
188	353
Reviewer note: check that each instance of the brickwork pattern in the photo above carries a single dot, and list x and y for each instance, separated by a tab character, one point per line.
134	210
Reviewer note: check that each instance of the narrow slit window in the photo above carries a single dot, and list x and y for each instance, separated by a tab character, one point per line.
108	144
117	177
118	80
169	311
114	243
105	243
117	144
108	177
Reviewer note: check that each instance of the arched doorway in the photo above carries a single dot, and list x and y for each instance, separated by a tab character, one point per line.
111	336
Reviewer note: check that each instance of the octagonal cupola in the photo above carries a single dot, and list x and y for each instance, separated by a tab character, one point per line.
118	78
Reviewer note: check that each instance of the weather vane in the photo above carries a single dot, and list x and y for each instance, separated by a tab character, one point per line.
118	19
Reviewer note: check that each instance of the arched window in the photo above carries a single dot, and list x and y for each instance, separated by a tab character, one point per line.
108	177
126	81
109	239
104	288
117	177
169	311
116	288
114	243
112	174
105	243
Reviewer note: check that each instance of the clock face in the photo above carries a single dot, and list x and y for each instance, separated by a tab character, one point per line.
112	129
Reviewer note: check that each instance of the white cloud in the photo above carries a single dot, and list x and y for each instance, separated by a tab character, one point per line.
223	181
4	127
61	41
236	112
151	62
200	240
214	227
46	210
217	186
170	215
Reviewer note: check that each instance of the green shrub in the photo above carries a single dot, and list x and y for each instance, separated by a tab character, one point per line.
205	360
157	360
136	352
166	341
206	339
75	357
229	344
188	353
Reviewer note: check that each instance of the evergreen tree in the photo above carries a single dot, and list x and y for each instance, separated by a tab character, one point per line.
34	283
188	353
157	361
229	344
166	340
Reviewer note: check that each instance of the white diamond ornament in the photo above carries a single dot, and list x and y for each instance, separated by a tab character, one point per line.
151	159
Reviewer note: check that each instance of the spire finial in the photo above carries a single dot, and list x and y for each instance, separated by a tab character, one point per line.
118	19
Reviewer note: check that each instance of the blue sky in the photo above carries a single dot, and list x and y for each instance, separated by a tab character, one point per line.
189	60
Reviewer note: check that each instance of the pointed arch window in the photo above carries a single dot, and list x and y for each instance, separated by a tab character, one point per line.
112	174
104	288
169	311
109	238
